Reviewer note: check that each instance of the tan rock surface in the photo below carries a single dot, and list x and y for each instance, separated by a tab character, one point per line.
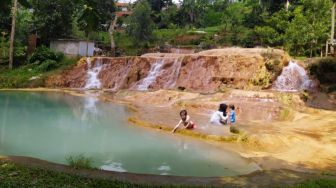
205	71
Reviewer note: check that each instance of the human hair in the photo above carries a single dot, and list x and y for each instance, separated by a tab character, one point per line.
183	112
232	107
222	108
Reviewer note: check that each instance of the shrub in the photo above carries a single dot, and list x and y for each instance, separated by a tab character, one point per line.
79	161
324	70
48	65
43	53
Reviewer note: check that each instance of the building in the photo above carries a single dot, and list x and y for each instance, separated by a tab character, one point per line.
123	9
72	47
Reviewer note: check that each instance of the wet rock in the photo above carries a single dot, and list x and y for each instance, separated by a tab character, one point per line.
206	71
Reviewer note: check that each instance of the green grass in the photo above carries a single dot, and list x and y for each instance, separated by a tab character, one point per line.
20	77
13	175
80	161
166	35
319	183
125	44
161	36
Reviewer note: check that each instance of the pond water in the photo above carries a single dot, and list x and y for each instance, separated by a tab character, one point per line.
53	126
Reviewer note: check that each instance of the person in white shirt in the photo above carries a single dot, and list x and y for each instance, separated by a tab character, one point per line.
185	121
220	117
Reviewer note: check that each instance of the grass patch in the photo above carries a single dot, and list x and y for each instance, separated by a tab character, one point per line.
32	75
319	183
80	161
12	175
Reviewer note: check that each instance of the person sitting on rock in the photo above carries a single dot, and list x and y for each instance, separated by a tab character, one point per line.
185	121
220	117
232	114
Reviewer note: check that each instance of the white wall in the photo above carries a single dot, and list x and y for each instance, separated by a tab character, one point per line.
72	48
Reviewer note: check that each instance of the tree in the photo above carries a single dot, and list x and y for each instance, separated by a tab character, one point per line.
192	11
53	18
234	15
11	47
89	21
157	5
140	23
97	14
309	28
4	7
5	13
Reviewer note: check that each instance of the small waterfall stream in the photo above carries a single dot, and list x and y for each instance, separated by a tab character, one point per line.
174	74
154	72
294	78
93	82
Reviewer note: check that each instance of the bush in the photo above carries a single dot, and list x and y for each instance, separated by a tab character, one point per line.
324	70
43	53
48	65
79	161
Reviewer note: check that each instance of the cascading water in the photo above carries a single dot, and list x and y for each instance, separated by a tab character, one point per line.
93	82
154	72
174	74
125	73
294	78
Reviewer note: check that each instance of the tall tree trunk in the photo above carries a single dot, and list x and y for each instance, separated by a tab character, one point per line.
11	47
111	31
332	34
287	5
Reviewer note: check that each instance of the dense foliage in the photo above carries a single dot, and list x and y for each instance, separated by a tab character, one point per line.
325	71
301	27
140	23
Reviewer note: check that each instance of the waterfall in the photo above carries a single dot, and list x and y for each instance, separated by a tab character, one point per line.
174	74
93	71
154	72
294	78
125	71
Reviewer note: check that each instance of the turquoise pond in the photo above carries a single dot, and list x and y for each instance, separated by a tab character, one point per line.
53	126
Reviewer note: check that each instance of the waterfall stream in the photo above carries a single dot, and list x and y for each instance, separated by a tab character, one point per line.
154	72
294	78
93	71
174	74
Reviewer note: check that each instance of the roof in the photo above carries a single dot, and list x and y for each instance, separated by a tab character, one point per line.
70	40
122	4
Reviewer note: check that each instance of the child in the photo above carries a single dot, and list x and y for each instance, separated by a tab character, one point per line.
232	114
185	121
220	117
